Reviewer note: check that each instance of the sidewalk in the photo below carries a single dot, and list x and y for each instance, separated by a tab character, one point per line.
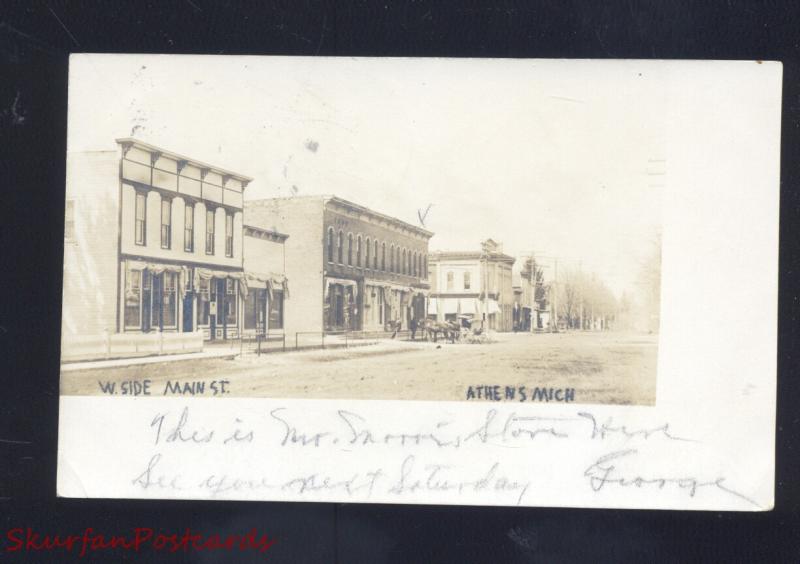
221	352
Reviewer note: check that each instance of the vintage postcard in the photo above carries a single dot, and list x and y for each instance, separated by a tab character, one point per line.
485	282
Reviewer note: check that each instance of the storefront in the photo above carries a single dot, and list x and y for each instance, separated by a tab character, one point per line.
341	305
152	296
263	306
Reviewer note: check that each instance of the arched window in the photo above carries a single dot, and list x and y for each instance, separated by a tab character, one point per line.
425	266
414	264
340	247
368	250
349	249
330	244
405	263
375	256
391	259
383	257
358	252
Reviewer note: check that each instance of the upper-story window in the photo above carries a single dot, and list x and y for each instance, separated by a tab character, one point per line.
358	251
414	264
391	259
450	278
350	249
467	280
188	228
210	213
69	220
368	252
383	257
404	264
228	234
425	266
330	244
166	223
375	256
340	247
141	219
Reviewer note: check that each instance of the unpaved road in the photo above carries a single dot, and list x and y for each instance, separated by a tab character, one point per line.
608	367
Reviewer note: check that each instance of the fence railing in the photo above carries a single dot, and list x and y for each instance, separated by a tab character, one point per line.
303	340
261	344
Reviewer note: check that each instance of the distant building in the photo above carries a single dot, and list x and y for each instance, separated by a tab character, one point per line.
473	286
531	310
352	268
154	248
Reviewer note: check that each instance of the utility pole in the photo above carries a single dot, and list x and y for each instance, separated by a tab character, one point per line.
554	302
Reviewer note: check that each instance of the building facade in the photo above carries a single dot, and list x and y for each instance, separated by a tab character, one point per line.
267	287
352	269
154	253
473	286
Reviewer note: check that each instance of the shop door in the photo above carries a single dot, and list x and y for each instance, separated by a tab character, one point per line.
147	294
188	312
213	309
158	296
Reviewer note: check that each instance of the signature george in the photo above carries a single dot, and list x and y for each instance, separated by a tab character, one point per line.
603	473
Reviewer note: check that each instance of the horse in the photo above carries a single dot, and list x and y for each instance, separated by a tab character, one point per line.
449	330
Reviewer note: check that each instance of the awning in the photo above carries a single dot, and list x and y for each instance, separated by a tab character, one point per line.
341	282
158	268
493	307
468	306
207	274
270	282
449	305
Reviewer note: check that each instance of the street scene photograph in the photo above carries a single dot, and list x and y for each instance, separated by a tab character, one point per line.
395	229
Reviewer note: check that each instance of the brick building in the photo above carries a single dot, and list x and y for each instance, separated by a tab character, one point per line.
352	269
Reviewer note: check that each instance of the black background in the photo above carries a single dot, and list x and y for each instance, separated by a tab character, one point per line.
35	41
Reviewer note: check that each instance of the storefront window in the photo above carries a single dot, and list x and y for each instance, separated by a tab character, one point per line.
133	300
230	301
170	300
204	302
276	310
251	305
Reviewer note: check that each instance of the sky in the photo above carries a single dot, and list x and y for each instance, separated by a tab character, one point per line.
559	158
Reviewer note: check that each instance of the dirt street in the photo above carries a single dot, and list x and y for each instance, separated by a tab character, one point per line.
602	367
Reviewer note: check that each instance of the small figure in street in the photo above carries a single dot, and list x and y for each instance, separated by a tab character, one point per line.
413	326
397	326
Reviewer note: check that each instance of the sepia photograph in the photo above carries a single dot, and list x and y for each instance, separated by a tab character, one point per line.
363	229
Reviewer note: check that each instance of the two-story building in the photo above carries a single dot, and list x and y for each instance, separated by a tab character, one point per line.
352	268
473	286
153	245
